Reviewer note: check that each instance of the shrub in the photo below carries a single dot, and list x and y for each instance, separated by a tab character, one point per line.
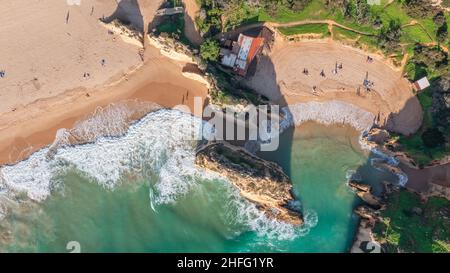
209	50
433	138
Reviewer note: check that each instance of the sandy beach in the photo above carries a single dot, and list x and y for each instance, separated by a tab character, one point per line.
35	102
279	77
31	111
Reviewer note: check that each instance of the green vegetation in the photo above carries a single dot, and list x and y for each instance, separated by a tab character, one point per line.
412	226
431	142
344	34
306	29
173	25
228	91
432	138
414	145
209	50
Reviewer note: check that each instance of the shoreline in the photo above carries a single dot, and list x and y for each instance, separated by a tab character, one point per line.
35	125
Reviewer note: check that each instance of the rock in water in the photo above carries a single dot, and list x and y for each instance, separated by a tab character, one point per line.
364	192
259	181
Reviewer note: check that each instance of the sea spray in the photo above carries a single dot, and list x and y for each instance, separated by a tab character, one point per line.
157	146
156	137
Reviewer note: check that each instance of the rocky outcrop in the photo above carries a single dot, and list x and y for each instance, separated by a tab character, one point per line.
364	240
171	48
127	33
364	192
259	181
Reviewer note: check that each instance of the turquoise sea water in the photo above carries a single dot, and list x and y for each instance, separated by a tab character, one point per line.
209	217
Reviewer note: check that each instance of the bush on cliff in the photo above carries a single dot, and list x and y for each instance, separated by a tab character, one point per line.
408	225
209	50
433	138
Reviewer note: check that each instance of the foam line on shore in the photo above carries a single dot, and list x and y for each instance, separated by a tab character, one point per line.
327	113
338	112
160	147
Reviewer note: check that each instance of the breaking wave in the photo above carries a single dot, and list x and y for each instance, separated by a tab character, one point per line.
159	147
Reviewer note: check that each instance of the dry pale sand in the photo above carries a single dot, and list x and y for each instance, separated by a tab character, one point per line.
39	44
279	76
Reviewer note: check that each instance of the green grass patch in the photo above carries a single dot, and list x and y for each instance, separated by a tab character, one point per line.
370	41
415	34
414	147
306	29
403	230
174	26
344	34
315	10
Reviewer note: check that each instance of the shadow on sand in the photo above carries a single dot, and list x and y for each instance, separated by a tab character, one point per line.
128	12
366	173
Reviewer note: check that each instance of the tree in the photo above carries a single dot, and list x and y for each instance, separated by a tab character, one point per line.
298	5
441	101
336	4
389	37
441	24
439	18
433	138
362	11
433	58
419	8
442	34
209	50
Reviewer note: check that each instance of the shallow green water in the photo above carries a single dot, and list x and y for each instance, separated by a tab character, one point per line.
211	217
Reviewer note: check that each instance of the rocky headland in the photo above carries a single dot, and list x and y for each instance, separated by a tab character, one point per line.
262	182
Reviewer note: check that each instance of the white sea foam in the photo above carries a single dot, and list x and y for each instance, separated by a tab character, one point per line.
338	112
161	142
159	146
330	112
241	212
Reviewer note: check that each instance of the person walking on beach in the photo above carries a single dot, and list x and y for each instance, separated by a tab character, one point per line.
67	17
322	73
103	62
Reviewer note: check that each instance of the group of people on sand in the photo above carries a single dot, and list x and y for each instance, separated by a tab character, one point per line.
87	75
335	71
2	73
322	72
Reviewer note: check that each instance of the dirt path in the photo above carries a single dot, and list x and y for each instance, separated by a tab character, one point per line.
273	26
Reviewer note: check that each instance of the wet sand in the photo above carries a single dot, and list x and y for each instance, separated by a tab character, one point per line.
30	128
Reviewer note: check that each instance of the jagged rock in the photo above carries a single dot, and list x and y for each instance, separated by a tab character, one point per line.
379	136
364	241
259	181
359	186
364	192
366	212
